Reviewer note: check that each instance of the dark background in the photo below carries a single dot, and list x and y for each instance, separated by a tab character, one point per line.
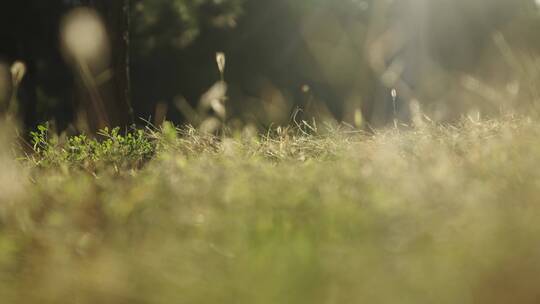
331	59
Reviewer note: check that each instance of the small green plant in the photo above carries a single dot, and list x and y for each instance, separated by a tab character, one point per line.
108	149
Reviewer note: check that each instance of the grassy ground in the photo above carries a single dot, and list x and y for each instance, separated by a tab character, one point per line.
438	214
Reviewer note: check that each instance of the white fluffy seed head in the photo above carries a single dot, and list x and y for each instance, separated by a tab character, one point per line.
18	70
220	59
84	36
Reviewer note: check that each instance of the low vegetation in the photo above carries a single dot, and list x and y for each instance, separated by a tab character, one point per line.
434	214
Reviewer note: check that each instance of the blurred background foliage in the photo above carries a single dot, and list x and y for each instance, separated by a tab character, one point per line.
177	23
331	59
453	57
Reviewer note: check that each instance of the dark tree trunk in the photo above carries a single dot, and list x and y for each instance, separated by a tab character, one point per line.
117	15
116	92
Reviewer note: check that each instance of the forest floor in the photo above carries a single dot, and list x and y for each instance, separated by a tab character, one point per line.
433	214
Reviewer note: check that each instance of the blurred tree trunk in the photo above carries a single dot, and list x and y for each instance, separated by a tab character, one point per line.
116	91
118	19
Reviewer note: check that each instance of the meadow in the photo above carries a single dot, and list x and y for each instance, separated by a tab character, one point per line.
308	214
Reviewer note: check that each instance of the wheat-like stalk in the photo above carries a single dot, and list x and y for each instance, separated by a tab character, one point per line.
221	60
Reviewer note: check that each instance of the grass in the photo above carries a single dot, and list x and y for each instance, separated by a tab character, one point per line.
438	214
